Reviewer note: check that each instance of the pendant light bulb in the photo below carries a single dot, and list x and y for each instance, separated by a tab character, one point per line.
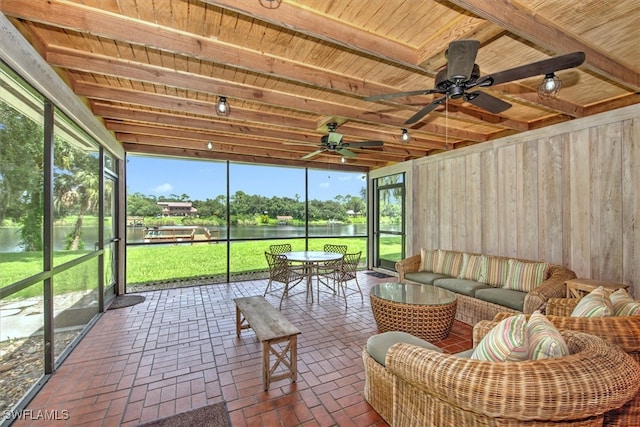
405	137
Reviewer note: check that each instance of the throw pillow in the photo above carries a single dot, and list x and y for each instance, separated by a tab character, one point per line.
428	259
525	276
474	267
497	271
595	304
623	304
545	341
449	263
507	341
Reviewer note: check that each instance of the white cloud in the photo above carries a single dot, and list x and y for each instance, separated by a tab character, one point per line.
325	184
163	188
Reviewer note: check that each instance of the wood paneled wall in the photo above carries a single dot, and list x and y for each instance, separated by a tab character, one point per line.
568	194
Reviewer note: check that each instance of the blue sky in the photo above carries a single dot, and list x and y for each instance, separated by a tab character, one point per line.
203	180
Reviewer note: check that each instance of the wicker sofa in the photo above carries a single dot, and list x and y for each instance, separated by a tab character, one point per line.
623	331
420	386
479	301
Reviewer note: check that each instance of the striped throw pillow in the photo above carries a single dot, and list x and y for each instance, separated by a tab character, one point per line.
474	267
545	341
507	341
497	271
595	304
428	259
525	276
449	263
623	304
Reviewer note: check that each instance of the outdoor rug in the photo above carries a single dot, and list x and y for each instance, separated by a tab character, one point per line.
126	301
378	274
215	415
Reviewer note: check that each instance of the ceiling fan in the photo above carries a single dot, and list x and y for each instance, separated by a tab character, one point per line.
462	73
333	141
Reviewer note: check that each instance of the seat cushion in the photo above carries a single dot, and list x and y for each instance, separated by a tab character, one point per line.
379	344
424	277
460	286
505	297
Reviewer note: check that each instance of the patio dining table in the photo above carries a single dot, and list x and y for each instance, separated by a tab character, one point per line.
311	260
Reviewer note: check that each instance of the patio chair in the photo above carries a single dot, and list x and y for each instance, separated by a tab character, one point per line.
348	272
280	248
326	271
282	272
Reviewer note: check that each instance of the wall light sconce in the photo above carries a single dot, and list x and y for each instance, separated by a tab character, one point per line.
405	137
550	87
222	107
209	145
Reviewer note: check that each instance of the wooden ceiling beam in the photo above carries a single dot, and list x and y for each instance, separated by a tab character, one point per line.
518	19
131	113
170	102
211	155
94	21
222	148
322	27
247	139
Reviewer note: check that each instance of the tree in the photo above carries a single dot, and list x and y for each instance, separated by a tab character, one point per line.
76	187
21	174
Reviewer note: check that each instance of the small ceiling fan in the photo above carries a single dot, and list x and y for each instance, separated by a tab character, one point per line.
333	141
462	73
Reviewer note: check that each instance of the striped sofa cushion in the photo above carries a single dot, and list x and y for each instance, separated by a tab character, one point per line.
595	304
497	271
474	267
428	259
525	276
449	263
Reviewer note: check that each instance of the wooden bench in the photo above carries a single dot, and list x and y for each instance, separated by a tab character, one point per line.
271	327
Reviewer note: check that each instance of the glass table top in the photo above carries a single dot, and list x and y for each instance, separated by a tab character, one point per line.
408	293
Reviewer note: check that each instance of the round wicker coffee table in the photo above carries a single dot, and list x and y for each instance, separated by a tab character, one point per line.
421	310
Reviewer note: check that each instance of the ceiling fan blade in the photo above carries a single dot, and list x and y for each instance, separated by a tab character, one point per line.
426	110
363	144
310	155
487	102
346	153
546	66
399	94
461	56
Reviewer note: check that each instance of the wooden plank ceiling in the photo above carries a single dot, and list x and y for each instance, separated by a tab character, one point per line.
153	70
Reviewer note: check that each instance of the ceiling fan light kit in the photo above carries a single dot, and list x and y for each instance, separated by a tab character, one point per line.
462	74
550	87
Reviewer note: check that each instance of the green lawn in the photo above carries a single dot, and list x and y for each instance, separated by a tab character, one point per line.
151	263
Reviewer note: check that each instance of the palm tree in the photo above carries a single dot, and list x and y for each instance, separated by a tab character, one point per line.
76	188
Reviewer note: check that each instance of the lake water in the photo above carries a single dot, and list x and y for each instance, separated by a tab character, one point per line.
10	237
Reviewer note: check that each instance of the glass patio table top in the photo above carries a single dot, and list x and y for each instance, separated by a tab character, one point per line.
408	293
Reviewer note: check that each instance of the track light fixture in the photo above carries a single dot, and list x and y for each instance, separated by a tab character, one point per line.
222	107
550	87
405	137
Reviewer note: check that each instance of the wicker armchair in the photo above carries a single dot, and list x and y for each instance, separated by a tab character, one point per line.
623	331
436	389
